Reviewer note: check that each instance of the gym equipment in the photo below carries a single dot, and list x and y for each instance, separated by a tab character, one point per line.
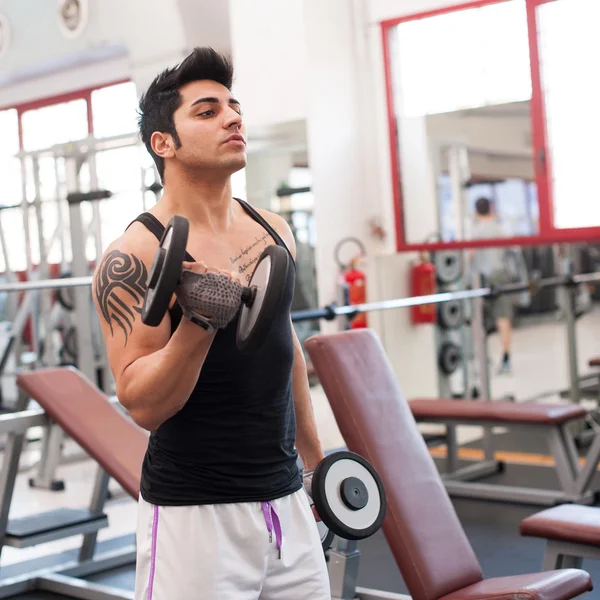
450	314
96	422
258	301
556	421
118	447
422	529
572	533
348	495
449	357
448	266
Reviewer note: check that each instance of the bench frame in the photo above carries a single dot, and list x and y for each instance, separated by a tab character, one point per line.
342	565
64	578
575	480
567	555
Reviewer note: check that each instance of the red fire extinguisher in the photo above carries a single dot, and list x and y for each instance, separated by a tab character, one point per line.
357	293
422	283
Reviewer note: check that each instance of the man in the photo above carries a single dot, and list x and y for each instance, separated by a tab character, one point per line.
222	511
491	265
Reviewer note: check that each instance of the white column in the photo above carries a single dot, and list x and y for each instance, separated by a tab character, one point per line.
349	158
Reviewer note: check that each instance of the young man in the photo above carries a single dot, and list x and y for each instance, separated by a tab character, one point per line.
222	511
490	264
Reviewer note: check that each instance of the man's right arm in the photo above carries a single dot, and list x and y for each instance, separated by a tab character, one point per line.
155	373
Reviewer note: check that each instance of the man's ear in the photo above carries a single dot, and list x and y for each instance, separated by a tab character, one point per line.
162	144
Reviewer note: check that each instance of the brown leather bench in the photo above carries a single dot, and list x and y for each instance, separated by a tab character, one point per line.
572	533
554	421
423	531
84	413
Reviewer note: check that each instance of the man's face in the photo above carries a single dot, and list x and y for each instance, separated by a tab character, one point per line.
210	128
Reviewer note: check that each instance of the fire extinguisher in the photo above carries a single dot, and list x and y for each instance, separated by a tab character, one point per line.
422	283
357	293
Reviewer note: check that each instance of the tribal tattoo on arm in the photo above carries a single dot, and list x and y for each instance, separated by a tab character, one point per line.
125	272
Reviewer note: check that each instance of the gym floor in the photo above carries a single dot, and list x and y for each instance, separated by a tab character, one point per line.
539	370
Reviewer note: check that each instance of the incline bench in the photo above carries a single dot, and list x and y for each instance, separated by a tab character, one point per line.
423	531
111	438
554	421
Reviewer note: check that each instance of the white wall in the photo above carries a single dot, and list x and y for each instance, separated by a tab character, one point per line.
140	37
269	54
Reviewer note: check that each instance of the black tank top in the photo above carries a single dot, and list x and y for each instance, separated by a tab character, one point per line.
234	440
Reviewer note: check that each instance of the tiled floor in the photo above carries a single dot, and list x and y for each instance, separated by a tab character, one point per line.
539	368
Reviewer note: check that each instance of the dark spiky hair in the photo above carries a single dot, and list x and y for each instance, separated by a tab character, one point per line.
162	98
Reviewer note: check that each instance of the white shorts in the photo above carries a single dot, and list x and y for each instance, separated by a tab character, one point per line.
245	551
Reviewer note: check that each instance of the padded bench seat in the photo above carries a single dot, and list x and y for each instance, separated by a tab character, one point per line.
494	412
572	533
553	420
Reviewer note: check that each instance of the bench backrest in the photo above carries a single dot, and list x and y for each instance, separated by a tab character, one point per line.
429	544
85	413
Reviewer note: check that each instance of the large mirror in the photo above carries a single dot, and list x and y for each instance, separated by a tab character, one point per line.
462	103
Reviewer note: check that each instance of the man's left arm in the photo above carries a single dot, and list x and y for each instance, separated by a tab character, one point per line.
307	437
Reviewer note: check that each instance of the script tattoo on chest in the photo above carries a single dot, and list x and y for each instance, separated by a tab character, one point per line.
127	273
249	256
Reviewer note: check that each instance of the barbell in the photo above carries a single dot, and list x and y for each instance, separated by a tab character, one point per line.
331	311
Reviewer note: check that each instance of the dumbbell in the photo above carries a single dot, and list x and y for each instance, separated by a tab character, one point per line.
259	301
349	497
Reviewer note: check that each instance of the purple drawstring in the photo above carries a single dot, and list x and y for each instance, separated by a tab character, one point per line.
272	520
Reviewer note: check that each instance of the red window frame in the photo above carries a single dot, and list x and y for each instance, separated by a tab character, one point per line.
81	94
548	233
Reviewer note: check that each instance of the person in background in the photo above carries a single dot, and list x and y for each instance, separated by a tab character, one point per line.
491	265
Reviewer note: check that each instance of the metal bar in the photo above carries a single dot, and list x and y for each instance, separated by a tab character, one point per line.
476	471
564	468
587	472
452	449
505	493
51	536
46	284
568	300
570	448
123	557
368	594
50	459
332	311
10	469
480	347
70	587
99	495
20	422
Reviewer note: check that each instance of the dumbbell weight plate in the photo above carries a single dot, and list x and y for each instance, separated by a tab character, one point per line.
165	271
268	280
449	357
348	495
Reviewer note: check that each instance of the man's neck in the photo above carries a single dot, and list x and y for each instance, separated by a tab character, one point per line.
206	203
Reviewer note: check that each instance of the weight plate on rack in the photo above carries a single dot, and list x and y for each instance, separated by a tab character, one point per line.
448	266
450	314
449	357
